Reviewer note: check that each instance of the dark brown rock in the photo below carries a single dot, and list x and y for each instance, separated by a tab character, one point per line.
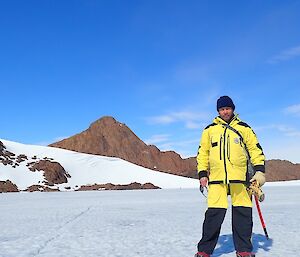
2	147
40	188
92	187
149	186
54	173
8	186
7	162
109	186
21	158
131	186
7	157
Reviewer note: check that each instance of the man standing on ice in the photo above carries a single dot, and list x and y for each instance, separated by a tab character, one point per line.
222	167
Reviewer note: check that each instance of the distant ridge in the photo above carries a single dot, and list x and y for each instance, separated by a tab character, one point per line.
282	170
108	137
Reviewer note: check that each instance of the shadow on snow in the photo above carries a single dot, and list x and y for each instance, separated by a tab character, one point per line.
225	244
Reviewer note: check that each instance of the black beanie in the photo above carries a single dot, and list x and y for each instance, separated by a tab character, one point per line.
225	101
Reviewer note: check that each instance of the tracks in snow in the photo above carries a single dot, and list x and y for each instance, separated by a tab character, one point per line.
59	231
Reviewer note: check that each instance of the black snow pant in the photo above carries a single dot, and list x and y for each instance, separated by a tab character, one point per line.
241	229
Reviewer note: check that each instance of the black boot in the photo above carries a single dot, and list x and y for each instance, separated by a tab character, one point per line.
202	254
245	254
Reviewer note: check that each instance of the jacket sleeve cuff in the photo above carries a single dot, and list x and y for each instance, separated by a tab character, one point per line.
260	168
202	173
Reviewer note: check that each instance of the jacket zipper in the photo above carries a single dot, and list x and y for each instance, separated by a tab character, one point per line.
221	147
228	147
224	156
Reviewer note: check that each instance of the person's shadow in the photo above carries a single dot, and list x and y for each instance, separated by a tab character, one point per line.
225	244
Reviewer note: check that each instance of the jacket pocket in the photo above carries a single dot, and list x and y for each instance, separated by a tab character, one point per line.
214	144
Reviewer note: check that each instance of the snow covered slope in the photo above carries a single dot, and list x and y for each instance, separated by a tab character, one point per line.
85	169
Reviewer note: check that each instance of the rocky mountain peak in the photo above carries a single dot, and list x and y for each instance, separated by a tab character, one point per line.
106	121
109	137
111	128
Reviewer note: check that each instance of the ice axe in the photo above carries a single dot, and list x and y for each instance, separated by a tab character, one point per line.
261	217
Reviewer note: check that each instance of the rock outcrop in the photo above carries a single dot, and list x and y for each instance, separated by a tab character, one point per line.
2	147
109	186
53	171
40	188
8	186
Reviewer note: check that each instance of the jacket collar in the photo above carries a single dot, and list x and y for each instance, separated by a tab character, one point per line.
233	121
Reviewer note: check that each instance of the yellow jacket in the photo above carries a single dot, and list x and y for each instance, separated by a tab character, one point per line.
221	155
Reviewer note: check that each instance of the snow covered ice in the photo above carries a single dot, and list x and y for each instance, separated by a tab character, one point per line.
152	223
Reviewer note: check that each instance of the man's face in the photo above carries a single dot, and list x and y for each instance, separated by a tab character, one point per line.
226	113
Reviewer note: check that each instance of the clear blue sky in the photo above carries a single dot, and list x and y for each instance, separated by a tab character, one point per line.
158	66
